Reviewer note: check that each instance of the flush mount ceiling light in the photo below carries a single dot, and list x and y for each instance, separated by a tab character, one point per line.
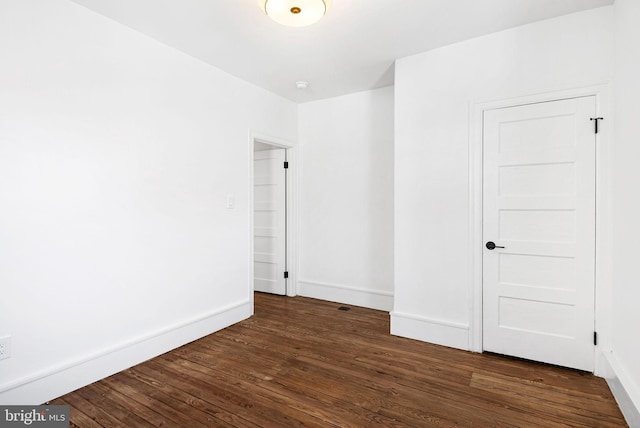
295	13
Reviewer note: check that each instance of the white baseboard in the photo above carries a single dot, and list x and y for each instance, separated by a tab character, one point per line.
53	382
440	332
381	300
624	388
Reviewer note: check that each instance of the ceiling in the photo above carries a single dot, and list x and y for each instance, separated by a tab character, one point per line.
353	48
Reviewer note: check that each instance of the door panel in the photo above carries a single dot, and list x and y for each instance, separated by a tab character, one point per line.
539	204
269	246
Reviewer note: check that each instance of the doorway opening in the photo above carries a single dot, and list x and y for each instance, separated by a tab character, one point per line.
271	208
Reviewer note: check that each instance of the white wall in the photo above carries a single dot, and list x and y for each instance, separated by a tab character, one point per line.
434	94
625	357
346	199
116	157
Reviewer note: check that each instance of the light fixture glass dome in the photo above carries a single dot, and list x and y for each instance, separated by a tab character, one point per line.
295	13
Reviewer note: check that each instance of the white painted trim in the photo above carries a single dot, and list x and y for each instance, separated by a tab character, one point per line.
476	126
292	207
602	91
440	332
53	382
374	299
624	388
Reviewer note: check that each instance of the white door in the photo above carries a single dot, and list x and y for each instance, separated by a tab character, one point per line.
539	204
269	214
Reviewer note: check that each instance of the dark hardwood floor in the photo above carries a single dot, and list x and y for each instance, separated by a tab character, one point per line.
305	362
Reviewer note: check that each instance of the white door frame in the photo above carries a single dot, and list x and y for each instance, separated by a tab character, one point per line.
603	279
292	208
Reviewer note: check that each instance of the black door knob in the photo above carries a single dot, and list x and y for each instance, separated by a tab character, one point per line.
492	245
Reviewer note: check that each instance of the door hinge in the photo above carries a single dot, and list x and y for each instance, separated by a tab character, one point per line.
286	165
595	338
286	274
596	119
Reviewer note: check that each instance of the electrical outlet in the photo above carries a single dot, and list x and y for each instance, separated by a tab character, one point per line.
5	347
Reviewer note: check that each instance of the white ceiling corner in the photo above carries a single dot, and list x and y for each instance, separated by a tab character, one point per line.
353	48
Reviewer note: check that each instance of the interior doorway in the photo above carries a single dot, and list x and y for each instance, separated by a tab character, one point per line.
270	208
539	202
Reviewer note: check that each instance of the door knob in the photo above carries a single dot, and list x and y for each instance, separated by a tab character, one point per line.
492	245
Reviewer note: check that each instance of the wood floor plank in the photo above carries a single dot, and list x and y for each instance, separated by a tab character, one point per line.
78	418
248	395
305	362
222	394
101	416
